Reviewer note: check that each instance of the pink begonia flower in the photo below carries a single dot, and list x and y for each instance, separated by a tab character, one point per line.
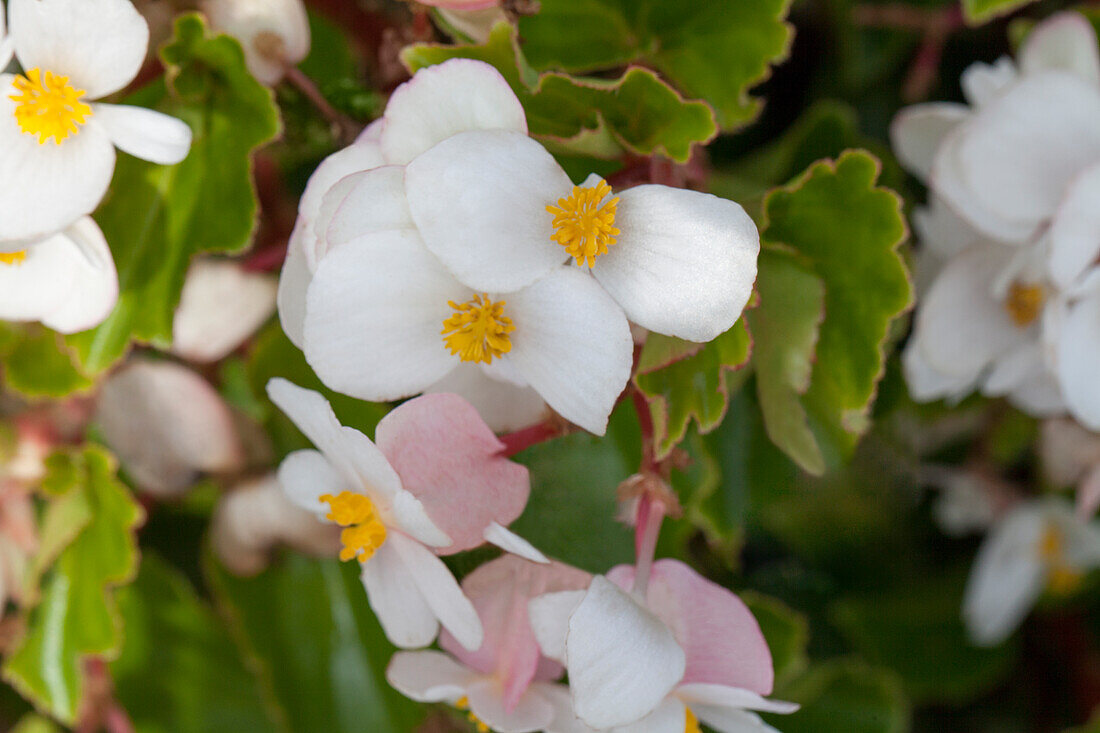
506	685
255	517
167	426
222	304
274	34
435	483
690	651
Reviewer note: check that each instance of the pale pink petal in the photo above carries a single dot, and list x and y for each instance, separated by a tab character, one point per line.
428	676
1088	494
526	714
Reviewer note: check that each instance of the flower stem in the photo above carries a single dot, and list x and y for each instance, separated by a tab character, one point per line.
345	128
521	440
651	512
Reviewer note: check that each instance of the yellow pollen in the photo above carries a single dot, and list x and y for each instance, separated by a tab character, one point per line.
48	106
13	258
1063	579
364	532
1024	303
463	704
584	222
691	725
478	330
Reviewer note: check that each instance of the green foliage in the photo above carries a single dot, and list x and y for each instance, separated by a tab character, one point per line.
37	363
76	616
786	631
982	11
848	230
178	671
695	387
637	113
844	696
306	628
158	217
711	49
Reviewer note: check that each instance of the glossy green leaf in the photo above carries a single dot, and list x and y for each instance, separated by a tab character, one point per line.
34	723
37	363
848	230
77	616
308	631
157	217
713	50
178	671
636	113
695	388
844	696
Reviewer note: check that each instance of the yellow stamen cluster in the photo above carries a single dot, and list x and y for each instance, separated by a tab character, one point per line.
584	222
478	330
1024	303
13	258
1063	579
365	532
48	106
691	725
463	704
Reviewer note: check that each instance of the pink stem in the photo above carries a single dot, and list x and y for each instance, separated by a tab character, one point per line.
651	513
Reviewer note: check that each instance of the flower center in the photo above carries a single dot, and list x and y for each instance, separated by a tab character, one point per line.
463	704
1024	302
691	724
584	222
13	258
48	106
1064	579
478	330
365	532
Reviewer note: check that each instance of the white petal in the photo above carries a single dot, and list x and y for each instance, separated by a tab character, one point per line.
220	307
479	200
49	186
1063	41
732	697
99	44
684	264
573	346
294	283
350	452
503	406
729	720
1075	231
7	49
441	101
622	660
982	82
428	676
361	156
145	133
532	713
255	23
1007	577
439	589
511	542
374	317
404	614
669	717
927	383
549	615
565	720
374	202
408	515
306	476
1078	355
917	131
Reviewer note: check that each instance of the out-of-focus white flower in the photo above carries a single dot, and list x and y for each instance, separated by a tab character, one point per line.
221	305
475	24
19	472
1070	456
66	281
273	33
255	517
167	426
966	502
1039	545
57	146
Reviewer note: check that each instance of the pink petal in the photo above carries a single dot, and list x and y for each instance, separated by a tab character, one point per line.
723	642
448	458
500	591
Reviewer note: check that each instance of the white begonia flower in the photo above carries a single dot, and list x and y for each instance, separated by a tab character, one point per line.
221	305
67	281
273	33
7	51
57	146
1040	545
350	481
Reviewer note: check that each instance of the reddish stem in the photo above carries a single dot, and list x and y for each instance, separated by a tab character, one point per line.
523	439
647	529
346	129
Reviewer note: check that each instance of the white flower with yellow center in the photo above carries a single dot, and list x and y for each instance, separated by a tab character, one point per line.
57	145
66	281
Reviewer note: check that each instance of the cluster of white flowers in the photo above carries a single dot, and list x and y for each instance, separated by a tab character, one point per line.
1012	229
57	152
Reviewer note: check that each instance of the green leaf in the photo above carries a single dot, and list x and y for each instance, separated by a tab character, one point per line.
37	363
320	653
76	616
693	388
34	723
713	50
786	631
636	113
785	332
178	671
844	696
157	217
848	230
982	11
